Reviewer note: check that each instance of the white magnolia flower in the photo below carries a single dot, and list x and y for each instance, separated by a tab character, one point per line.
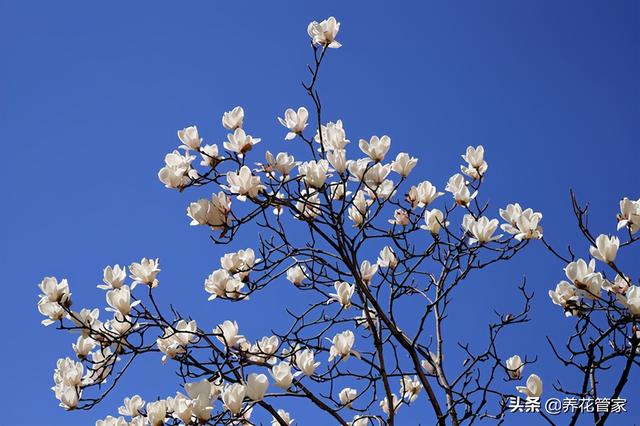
177	171
629	215
210	156
83	346
221	284
358	168
619	285
482	230
592	286
400	218
145	272
338	191
324	33
308	206
533	388
169	346
467	221
458	189
203	389
232	120
157	412
314	172
244	183
53	291
227	333
52	310
359	420
203	394
87	319
55	296
281	373
282	163
233	396
359	208
342	345
376	148
410	388
264	348
257	385
119	326
434	221
175	339
239	263
606	248
102	362
182	407
343	294
567	296
213	213
296	274
138	421
285	416
395	404
294	121
132	406
112	421
113	277
338	160
119	300
68	396
387	258
68	373
579	270
476	166
523	225
240	142
347	395
631	300
383	191
403	164
190	138
423	194
367	271
333	136
515	367
305	361
377	174
511	213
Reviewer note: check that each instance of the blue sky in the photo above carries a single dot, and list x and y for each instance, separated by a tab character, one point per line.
91	96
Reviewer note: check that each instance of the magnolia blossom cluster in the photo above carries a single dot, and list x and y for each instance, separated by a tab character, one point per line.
338	184
361	183
228	281
194	407
68	379
522	224
98	341
175	339
334	173
585	283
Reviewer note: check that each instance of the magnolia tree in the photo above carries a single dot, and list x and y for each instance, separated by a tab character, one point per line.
347	349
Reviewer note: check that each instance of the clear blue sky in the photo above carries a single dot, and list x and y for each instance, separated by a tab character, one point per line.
91	95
